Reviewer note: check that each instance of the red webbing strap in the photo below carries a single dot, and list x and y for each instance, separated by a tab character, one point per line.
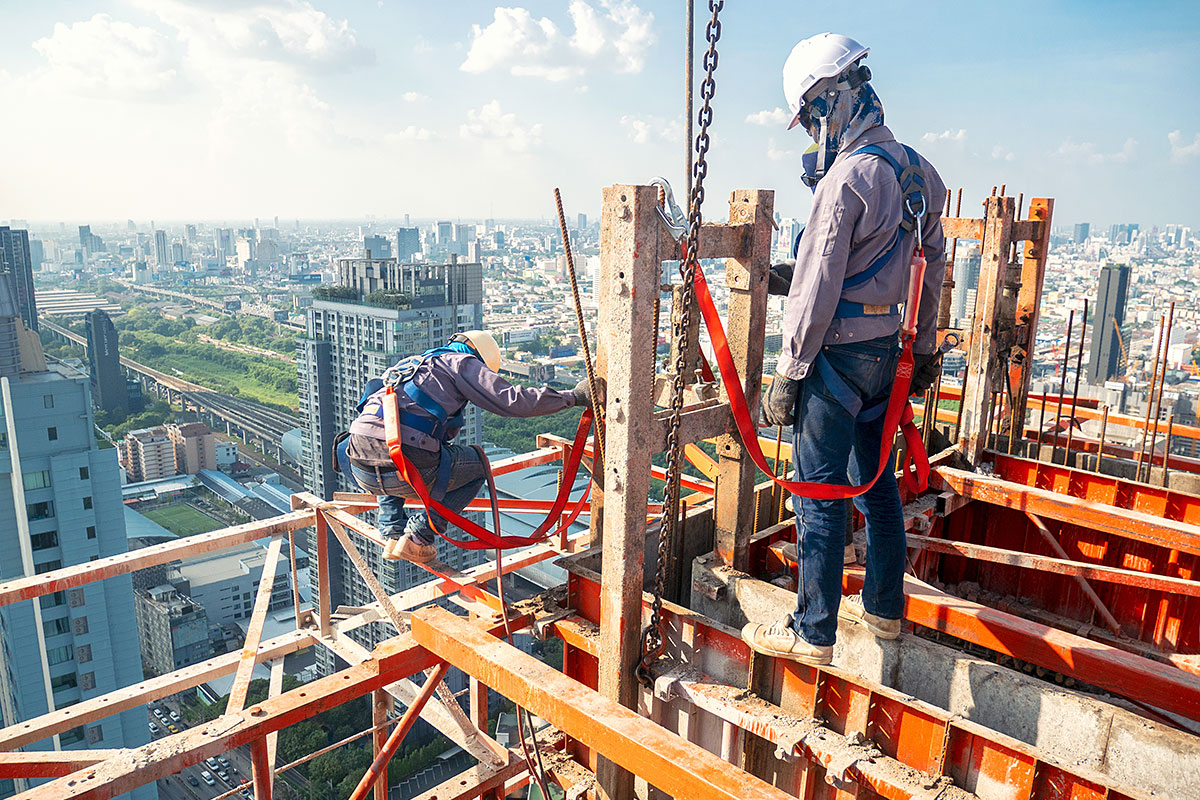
485	539
898	411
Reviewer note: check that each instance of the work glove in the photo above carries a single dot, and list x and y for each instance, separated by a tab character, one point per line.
779	404
926	368
779	279
583	393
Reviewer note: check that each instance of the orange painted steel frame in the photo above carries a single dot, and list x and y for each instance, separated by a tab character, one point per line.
1119	523
914	733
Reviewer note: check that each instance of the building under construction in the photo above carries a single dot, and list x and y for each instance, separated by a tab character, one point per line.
1050	646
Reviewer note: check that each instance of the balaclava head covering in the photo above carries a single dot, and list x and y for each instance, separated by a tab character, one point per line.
835	121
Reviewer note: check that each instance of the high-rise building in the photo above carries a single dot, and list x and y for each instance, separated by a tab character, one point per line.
463	236
60	505
16	261
89	243
195	447
223	242
408	244
348	343
109	385
1112	291
445	236
377	247
147	454
190	232
1082	231
173	630
162	253
966	284
37	253
582	222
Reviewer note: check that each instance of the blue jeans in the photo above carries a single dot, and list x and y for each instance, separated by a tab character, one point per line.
466	479
831	445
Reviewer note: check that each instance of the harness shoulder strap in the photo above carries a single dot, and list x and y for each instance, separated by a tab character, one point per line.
912	182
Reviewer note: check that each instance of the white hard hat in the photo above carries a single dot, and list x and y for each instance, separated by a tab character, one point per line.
825	55
484	345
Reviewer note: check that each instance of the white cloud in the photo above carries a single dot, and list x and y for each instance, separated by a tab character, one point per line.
414	97
1181	152
999	153
289	31
953	137
492	126
412	133
1087	152
772	117
774	153
616	36
643	129
101	56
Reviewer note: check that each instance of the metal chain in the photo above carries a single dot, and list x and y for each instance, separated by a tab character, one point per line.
653	639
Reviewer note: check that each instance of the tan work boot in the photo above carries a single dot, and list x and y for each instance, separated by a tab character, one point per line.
852	609
781	640
409	549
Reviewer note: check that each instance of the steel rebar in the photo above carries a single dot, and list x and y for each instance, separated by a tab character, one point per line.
1075	391
1137	476
1167	448
1062	386
1161	382
1100	441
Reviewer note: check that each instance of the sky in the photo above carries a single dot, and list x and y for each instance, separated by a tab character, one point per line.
321	109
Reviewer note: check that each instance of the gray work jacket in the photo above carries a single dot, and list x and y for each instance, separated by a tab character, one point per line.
452	380
855	212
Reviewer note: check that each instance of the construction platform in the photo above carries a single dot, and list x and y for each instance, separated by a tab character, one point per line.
1050	645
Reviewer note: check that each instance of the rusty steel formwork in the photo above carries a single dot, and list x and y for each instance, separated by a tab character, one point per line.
1050	646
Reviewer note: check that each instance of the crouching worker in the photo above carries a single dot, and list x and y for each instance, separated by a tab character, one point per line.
434	389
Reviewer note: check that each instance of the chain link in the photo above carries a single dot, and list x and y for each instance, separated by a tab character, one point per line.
653	639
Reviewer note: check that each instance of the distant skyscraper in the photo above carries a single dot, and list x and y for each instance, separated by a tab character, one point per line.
109	386
89	243
1112	291
445	236
966	283
463	236
1082	231
408	244
583	222
1123	233
162	253
60	505
349	343
223	242
191	234
377	247
15	260
37	253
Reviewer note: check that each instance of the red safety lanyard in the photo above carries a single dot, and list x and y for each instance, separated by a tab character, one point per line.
899	412
485	539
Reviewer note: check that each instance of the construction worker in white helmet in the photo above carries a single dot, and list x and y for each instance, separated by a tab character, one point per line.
434	389
841	340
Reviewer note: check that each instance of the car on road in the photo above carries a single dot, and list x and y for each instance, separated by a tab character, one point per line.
212	764
158	712
224	761
153	729
223	775
192	780
207	777
246	793
172	729
174	716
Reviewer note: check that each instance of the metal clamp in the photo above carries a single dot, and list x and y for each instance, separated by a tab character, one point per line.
672	215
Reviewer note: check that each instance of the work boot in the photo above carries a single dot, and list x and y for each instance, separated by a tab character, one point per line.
852	609
409	548
781	640
849	554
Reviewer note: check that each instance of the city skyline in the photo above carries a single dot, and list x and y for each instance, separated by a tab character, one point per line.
339	111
